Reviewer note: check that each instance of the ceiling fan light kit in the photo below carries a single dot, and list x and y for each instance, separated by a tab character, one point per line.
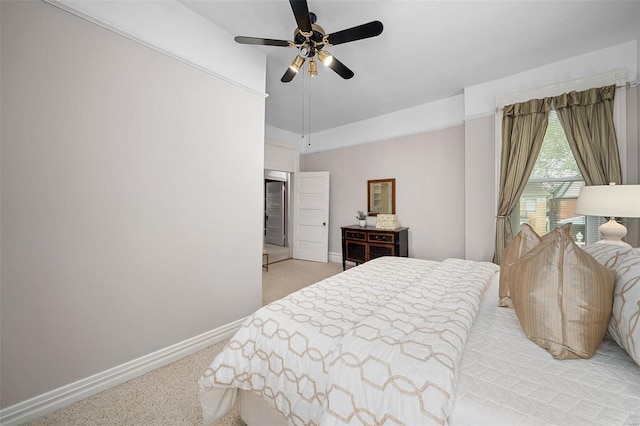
310	40
325	57
313	69
297	63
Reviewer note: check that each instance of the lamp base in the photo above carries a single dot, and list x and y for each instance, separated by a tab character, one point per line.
613	233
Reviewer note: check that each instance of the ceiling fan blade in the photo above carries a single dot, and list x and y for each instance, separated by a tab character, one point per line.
370	29
262	41
288	75
301	13
341	69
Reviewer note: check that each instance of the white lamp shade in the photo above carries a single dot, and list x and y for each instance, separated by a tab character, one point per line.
609	200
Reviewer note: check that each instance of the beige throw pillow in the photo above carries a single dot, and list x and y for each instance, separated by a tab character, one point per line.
520	245
562	297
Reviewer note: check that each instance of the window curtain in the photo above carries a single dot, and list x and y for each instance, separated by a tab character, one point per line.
587	120
523	127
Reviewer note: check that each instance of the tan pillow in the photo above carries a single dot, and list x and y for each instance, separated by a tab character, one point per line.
562	297
520	245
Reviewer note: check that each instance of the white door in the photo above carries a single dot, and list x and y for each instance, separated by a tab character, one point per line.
311	216
274	213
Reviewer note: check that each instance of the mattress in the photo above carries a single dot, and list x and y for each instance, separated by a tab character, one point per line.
506	379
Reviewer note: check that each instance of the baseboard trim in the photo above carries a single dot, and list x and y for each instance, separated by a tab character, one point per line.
335	257
56	399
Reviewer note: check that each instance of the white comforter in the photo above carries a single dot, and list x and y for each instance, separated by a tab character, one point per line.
377	344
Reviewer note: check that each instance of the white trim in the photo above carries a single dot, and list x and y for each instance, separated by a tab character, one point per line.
281	143
498	154
620	124
276	175
124	33
433	116
61	397
335	257
396	135
478	116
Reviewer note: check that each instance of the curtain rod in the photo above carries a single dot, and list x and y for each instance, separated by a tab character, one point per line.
628	85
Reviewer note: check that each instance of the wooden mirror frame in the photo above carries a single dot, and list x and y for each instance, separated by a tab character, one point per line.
392	181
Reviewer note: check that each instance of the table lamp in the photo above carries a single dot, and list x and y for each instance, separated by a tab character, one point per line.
610	201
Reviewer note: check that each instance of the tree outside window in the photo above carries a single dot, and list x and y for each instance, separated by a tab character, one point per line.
549	198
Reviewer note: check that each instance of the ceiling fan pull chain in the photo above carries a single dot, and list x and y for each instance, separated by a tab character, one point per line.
309	110
302	112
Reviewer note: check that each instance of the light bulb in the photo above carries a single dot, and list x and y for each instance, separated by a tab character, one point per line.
325	57
313	69
297	63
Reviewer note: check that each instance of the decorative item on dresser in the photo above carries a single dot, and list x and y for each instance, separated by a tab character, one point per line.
360	244
387	221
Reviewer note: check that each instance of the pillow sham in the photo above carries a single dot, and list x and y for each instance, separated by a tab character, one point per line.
562	297
624	326
608	255
521	244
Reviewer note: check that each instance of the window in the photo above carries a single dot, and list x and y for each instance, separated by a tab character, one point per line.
549	198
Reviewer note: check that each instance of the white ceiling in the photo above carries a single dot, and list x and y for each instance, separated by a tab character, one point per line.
428	50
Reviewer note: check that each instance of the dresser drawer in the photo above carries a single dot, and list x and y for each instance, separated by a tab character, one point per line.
356	252
376	250
356	235
381	237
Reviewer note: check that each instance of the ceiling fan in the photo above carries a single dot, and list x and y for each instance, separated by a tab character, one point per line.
310	40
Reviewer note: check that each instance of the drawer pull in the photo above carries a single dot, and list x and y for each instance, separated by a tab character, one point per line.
383	238
356	235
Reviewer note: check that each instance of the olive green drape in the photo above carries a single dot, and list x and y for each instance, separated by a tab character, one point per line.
587	120
523	127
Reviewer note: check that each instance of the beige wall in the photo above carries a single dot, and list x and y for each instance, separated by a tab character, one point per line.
429	173
131	191
480	188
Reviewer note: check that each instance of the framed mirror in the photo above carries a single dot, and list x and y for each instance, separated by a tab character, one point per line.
381	196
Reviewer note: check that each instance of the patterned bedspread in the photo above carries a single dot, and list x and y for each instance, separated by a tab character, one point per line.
376	344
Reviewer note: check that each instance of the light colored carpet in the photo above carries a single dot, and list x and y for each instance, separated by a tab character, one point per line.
291	275
169	395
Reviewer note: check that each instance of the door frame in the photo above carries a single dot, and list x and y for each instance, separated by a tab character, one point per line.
283	211
270	174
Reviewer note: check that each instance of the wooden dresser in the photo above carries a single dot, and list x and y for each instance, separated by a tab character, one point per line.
360	244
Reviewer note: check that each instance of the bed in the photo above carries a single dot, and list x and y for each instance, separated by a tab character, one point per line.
416	342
